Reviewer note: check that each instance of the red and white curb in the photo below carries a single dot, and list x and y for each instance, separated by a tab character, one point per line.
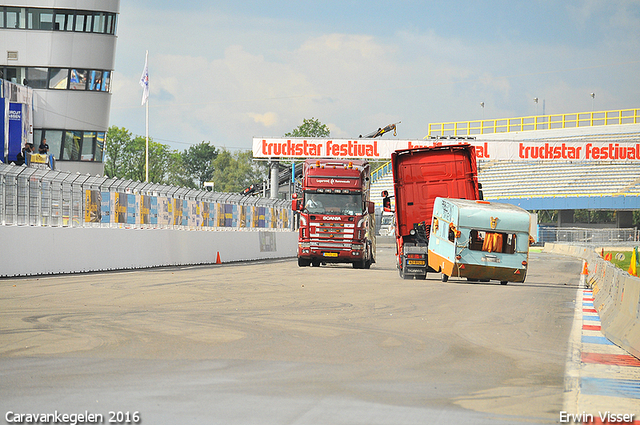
602	381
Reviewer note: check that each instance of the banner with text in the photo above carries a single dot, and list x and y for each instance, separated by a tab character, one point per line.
485	149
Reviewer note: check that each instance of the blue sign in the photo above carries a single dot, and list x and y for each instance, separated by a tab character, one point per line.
15	130
131	209
105	207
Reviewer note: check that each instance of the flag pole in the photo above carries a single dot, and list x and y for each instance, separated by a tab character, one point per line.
146	162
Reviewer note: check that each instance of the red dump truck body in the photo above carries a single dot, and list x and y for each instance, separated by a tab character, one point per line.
419	176
336	216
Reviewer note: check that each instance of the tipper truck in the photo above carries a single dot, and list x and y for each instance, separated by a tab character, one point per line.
336	216
420	175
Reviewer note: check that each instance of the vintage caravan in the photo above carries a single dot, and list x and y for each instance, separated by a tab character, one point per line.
479	240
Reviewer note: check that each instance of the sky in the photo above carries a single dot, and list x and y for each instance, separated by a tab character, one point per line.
227	71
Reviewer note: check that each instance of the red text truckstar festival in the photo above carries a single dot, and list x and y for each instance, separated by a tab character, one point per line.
485	149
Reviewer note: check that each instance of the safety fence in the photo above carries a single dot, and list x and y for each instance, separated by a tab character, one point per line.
616	295
586	235
42	197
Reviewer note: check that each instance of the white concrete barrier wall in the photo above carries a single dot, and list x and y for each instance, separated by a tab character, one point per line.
27	250
616	296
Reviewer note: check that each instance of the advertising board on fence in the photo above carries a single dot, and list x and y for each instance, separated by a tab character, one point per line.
134	209
485	149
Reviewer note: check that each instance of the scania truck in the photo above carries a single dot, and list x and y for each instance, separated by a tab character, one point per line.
336	216
420	175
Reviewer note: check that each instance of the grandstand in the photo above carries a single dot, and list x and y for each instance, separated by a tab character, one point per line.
552	185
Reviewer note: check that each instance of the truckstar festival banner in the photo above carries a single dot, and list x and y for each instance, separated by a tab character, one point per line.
485	149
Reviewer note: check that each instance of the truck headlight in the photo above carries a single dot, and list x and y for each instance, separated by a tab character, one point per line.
356	247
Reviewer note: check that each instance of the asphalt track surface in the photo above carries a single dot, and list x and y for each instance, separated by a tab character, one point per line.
271	343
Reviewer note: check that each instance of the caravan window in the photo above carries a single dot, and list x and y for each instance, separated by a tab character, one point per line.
481	240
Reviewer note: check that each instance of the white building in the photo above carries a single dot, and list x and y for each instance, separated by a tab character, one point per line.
64	50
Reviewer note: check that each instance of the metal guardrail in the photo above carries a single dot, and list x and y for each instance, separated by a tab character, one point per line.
536	122
40	197
587	235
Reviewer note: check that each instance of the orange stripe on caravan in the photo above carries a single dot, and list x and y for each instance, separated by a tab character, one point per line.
437	262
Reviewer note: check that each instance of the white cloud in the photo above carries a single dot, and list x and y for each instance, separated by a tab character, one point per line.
268	119
225	78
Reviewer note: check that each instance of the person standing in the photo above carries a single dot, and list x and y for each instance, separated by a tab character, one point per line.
43	148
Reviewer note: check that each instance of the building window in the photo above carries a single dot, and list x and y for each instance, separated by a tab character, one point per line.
106	81
64	20
37	78
110	29
99	146
16	17
58	78
78	79
39	19
95	80
71	146
16	75
99	23
88	141
54	140
84	21
34	18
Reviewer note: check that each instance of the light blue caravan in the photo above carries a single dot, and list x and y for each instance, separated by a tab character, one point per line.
479	240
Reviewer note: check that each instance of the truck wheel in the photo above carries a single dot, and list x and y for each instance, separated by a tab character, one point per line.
421	276
503	282
315	263
303	262
444	277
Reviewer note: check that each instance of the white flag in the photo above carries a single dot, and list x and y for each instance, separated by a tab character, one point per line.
144	81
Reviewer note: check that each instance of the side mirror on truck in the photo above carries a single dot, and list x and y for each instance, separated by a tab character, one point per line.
295	204
371	207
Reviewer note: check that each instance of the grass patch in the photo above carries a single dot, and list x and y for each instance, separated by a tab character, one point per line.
618	260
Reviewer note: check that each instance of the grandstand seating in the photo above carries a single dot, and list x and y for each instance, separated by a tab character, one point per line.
551	185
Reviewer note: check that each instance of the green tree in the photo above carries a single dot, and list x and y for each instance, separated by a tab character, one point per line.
198	161
236	171
311	127
125	157
176	173
135	154
114	146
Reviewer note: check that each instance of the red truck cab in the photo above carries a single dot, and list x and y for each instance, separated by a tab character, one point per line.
420	175
336	216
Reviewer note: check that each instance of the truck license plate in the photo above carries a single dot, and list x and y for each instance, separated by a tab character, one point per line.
415	262
330	254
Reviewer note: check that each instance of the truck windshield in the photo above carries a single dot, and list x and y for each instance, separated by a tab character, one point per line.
333	203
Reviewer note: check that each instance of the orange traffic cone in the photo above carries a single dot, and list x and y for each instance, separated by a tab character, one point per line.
585	269
218	259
